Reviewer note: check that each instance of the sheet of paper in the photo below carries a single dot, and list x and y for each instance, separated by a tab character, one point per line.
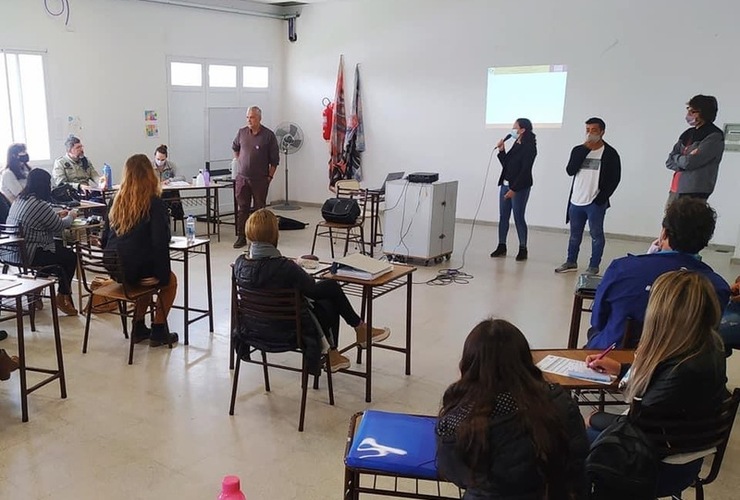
567	367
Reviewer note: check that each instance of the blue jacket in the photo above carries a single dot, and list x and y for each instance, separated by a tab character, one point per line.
624	291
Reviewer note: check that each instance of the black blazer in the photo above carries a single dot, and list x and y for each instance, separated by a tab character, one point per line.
145	250
609	175
517	163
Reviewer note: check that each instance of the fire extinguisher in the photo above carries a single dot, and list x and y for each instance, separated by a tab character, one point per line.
328	115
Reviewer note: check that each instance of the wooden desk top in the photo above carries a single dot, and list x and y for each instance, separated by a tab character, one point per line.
25	286
623	356
399	271
181	243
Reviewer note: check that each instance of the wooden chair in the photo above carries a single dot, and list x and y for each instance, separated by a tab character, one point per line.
348	232
271	306
674	437
14	254
92	262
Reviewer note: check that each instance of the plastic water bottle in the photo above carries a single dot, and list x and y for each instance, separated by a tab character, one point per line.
108	175
190	228
231	489
206	178
200	181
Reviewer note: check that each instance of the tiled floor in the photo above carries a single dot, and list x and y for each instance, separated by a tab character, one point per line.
161	429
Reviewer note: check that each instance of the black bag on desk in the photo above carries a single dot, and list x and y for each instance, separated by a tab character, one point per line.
65	195
340	210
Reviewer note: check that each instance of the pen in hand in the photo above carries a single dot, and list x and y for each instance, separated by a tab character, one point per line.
601	356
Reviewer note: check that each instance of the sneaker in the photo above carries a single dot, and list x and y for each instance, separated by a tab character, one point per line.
500	251
8	364
161	335
379	334
140	332
523	254
592	271
240	242
567	267
337	361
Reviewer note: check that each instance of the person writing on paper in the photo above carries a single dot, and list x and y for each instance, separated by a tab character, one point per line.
503	431
40	223
16	171
137	232
515	182
74	168
167	172
679	367
266	268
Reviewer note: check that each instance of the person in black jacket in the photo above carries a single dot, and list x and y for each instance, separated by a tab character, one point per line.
138	232
596	170
266	268
679	370
515	182
503	431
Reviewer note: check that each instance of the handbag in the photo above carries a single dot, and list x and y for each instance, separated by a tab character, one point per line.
65	194
340	210
102	304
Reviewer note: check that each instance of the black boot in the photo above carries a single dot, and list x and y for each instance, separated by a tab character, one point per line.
522	255
140	332
161	335
500	251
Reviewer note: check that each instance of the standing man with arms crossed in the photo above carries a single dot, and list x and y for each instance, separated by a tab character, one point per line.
695	158
256	149
596	170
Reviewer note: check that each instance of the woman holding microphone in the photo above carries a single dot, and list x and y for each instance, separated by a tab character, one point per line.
515	182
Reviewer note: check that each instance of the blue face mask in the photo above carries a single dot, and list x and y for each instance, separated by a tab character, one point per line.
514	134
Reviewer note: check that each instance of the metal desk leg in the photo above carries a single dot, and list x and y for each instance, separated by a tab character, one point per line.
216	216
369	341
210	288
22	358
408	324
208	212
575	321
58	342
186	299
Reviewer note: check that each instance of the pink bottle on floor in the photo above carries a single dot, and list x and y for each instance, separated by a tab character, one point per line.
231	489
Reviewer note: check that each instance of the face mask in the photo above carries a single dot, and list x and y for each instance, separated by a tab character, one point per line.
514	134
691	120
593	137
159	163
23	158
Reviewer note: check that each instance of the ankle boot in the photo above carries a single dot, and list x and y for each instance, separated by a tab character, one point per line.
500	251
65	304
162	335
8	364
140	332
522	255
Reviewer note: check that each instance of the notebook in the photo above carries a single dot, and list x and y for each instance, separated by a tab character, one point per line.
362	267
396	443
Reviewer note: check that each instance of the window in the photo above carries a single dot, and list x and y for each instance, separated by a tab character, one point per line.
255	77
222	76
186	74
23	116
534	92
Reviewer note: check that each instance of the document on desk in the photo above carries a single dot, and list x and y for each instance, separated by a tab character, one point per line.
8	281
178	184
572	368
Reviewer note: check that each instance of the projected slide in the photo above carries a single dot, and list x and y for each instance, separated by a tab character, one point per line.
534	92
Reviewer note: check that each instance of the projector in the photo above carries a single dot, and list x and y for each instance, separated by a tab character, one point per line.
423	177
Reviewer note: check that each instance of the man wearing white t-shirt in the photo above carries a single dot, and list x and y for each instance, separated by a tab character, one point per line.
596	171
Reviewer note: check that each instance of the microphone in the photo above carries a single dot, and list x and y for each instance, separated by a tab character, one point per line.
508	136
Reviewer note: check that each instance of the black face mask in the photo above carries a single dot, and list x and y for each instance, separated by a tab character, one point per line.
24	157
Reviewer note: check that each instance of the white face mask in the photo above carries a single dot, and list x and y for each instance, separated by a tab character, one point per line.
159	163
514	134
593	138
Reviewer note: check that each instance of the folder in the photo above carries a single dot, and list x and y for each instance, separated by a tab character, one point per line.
362	267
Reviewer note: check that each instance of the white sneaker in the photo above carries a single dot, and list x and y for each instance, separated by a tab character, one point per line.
379	334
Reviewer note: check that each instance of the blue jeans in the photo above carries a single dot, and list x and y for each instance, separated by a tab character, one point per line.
729	327
594	214
519	204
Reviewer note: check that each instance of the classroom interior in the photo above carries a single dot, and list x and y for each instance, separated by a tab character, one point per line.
160	428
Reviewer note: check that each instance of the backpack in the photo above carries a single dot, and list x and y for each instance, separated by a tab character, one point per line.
622	464
286	224
65	195
340	210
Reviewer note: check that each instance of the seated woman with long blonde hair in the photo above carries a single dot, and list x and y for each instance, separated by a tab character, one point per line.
138	231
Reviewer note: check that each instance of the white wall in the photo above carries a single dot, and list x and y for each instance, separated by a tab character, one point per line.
424	62
109	66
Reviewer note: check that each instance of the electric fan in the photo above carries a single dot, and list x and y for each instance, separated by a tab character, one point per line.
290	139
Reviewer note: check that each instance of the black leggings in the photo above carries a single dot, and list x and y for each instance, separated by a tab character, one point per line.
62	263
330	303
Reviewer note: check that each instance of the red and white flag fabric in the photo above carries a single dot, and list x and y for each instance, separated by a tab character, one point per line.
337	165
355	142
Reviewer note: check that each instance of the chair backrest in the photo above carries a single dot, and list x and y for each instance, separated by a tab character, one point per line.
350	189
268	306
94	261
673	436
347	185
17	256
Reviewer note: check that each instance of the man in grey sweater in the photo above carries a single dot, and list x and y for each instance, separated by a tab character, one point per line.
695	157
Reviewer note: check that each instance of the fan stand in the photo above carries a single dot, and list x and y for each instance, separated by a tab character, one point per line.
287	205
